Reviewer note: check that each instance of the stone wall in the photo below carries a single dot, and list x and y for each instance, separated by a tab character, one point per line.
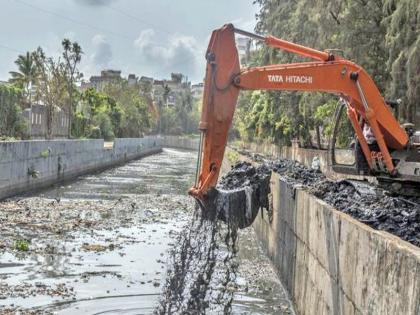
27	165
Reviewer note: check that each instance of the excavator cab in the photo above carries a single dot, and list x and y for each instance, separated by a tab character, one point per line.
346	156
343	154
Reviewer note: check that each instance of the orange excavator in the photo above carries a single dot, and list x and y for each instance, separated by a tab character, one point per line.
396	163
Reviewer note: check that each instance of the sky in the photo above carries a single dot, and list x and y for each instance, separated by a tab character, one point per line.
145	37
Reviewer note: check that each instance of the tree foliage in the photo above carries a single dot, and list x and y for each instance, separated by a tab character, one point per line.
380	35
119	111
51	85
12	123
27	73
183	117
72	54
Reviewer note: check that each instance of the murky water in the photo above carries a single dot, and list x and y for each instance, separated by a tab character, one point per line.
99	245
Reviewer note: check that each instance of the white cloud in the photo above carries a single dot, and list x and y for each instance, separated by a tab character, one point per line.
103	51
97	57
180	53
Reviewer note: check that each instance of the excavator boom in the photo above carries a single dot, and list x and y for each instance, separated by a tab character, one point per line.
326	73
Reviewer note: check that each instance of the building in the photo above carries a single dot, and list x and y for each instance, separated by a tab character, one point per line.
166	92
158	91
132	79
106	77
197	90
85	85
146	79
243	46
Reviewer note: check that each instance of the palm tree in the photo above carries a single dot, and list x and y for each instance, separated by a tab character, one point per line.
25	78
27	73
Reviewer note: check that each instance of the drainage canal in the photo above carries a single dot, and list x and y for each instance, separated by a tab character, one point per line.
100	245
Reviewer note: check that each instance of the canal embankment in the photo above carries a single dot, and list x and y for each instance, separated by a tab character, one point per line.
35	164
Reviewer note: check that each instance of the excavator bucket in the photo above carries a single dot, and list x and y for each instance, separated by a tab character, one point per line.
237	208
239	196
232	207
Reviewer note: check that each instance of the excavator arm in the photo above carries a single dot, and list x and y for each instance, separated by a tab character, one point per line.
327	73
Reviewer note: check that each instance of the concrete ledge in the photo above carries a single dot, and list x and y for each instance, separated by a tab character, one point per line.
332	264
54	161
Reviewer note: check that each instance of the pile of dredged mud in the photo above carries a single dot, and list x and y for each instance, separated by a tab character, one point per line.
202	268
397	215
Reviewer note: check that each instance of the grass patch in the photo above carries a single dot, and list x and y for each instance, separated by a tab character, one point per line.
45	153
21	245
233	157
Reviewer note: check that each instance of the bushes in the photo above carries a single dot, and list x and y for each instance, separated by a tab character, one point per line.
12	124
102	122
118	111
95	132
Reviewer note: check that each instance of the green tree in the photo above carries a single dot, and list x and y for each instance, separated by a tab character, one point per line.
403	42
97	116
51	88
117	111
27	73
130	109
72	55
380	35
12	123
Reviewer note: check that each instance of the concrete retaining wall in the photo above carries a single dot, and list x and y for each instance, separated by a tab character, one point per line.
180	142
333	264
27	165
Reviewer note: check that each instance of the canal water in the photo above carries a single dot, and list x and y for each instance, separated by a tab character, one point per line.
99	245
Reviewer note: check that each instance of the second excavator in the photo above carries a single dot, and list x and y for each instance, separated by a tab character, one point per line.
395	162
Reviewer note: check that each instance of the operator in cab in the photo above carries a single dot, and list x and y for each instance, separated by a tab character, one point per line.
362	164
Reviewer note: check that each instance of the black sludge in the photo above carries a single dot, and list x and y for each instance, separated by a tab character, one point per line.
397	215
202	268
239	195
